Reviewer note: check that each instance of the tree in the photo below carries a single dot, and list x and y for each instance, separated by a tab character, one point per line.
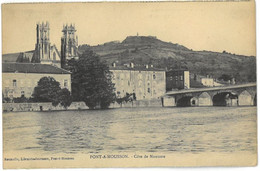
21	99
126	98
91	81
225	77
48	90
65	98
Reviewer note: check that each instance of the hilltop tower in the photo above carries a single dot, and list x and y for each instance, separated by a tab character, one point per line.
45	53
69	44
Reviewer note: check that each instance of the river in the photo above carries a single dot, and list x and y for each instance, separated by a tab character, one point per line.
170	130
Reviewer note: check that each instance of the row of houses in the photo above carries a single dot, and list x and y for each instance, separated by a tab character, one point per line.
19	79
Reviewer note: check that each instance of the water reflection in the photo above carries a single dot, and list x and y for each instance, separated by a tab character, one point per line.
193	130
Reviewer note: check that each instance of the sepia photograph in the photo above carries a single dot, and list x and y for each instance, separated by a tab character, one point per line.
129	84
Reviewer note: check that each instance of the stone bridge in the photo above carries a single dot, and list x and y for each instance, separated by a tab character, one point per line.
233	95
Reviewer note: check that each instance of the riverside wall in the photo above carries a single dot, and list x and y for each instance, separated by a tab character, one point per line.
138	103
23	107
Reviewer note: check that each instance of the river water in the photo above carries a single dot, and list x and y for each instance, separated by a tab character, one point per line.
170	130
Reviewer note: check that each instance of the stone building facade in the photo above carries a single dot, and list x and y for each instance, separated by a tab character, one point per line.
21	78
208	82
177	79
146	83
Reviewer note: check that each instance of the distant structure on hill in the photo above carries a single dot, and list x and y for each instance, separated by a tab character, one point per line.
69	44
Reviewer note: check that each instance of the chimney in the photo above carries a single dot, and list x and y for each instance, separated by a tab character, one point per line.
151	66
146	66
114	64
131	65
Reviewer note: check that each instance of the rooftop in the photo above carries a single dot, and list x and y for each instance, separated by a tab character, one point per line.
135	68
10	57
32	68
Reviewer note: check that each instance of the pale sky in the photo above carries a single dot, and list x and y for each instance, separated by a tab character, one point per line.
214	26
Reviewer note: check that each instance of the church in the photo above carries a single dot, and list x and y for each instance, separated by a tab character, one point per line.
22	71
45	52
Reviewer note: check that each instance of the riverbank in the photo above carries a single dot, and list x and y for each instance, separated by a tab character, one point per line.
29	107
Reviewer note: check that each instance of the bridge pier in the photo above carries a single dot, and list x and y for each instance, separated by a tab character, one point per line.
234	95
245	99
205	99
168	101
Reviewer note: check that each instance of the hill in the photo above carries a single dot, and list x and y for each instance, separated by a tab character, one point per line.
149	50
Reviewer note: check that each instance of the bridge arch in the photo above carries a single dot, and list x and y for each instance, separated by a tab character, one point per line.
245	99
187	101
204	99
225	99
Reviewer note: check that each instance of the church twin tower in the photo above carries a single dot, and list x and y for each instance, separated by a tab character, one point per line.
69	44
46	53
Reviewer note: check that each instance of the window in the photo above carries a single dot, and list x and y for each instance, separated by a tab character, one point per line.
154	77
181	77
176	77
14	83
45	49
148	90
171	78
70	47
22	93
54	56
65	83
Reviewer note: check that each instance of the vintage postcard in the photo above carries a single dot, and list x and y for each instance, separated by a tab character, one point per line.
129	84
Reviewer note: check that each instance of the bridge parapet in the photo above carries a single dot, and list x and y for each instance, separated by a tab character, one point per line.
235	95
